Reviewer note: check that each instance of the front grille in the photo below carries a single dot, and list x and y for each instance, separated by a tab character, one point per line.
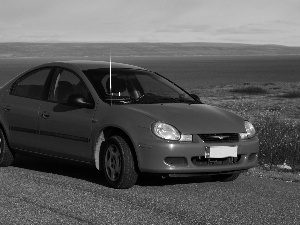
220	138
202	161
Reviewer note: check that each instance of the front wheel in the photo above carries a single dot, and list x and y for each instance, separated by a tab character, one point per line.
118	163
6	156
225	177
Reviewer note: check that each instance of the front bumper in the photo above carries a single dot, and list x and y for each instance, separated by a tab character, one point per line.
161	156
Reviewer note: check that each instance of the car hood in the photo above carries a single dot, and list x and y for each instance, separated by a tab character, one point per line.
192	118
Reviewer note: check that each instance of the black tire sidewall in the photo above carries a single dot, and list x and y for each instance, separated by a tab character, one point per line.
2	146
6	156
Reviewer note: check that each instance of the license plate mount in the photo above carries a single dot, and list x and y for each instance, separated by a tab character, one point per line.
217	152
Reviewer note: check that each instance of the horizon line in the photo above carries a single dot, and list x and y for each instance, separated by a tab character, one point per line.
143	42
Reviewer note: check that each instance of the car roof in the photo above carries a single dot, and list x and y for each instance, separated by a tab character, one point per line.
88	64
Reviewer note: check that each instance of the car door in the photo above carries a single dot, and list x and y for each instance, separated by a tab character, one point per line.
21	109
65	130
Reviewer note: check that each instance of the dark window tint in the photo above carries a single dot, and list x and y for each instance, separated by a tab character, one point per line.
31	85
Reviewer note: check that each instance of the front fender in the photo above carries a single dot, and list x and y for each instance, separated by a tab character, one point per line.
117	118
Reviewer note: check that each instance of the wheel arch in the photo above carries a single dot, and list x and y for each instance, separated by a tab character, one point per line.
103	136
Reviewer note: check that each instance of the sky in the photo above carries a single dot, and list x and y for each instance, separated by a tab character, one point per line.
223	21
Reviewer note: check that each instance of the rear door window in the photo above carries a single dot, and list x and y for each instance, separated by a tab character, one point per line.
32	84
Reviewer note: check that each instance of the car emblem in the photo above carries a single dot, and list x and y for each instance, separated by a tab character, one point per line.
220	137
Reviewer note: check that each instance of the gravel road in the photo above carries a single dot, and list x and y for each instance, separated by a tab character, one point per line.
39	191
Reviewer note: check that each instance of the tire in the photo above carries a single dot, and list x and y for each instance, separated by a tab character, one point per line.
118	163
6	156
225	177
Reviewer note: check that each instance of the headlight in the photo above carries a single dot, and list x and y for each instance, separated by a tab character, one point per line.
250	131
165	131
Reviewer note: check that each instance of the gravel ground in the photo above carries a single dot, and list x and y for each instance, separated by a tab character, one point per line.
39	191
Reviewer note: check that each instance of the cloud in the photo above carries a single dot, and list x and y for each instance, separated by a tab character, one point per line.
246	29
156	20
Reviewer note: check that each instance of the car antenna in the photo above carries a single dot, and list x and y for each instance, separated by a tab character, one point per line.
110	73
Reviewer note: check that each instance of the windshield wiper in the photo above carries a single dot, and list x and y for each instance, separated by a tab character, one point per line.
163	100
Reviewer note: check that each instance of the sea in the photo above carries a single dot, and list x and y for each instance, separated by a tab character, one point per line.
189	71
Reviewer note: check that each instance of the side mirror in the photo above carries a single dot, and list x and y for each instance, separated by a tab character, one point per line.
79	101
196	97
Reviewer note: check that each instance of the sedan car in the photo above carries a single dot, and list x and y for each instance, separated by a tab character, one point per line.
124	120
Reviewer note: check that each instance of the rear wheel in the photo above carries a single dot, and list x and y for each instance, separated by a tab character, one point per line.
225	177
118	163
6	156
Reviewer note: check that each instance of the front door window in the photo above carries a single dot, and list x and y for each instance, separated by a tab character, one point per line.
65	85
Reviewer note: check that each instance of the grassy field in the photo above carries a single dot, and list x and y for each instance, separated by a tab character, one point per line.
274	110
251	99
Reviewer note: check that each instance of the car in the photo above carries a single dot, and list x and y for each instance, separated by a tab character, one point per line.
122	119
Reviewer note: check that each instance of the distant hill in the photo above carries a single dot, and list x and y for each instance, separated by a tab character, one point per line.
8	50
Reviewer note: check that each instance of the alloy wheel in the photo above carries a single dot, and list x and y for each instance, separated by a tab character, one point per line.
113	162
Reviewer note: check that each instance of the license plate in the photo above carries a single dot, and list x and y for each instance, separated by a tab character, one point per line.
221	151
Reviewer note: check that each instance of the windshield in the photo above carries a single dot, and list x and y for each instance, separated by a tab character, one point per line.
128	86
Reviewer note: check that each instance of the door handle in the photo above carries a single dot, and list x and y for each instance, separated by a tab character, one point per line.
6	108
45	115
